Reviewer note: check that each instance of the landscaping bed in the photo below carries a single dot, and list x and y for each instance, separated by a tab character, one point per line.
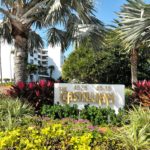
30	121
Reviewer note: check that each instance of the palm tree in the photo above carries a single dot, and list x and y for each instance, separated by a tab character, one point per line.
19	16
134	27
1	79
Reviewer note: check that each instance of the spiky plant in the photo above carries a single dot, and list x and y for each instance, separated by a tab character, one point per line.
12	112
136	135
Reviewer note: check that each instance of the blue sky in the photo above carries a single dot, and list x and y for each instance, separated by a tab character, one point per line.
106	9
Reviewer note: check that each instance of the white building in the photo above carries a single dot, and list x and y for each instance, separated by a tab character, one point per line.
7	61
43	59
56	59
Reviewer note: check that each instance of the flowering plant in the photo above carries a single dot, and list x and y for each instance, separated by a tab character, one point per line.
37	93
56	135
142	93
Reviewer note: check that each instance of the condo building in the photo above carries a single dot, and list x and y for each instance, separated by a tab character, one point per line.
48	62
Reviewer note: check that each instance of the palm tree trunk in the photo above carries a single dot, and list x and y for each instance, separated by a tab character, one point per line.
20	61
1	79
134	63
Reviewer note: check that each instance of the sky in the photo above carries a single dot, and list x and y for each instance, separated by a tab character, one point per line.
106	10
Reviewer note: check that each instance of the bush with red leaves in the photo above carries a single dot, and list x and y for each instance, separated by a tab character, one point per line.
141	93
36	93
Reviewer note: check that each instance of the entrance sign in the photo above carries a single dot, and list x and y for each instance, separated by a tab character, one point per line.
102	95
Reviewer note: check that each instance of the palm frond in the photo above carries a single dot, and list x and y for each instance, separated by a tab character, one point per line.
61	9
56	13
84	9
94	34
34	41
134	23
72	26
5	32
58	37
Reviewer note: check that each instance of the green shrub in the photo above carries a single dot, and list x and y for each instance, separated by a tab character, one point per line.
12	112
97	116
128	97
102	116
59	111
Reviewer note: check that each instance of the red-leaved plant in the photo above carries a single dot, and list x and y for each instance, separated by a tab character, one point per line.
37	93
141	93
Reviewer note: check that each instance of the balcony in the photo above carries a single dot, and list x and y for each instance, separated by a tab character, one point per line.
44	57
44	53
43	73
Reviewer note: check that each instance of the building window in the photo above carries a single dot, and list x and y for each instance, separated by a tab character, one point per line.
35	51
31	54
31	77
31	61
39	62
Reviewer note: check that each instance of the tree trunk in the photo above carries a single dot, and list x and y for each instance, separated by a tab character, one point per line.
134	63
1	79
20	59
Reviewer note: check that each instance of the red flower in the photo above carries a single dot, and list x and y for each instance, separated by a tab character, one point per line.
31	85
21	85
37	93
50	84
42	83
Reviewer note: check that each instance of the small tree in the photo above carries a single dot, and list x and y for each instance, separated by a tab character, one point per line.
111	64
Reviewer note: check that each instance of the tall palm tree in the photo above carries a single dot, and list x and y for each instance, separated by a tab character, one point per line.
1	79
134	27
19	16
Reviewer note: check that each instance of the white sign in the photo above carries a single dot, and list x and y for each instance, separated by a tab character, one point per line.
102	95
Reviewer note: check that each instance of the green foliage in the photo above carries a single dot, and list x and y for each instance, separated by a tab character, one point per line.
136	136
102	116
12	112
66	134
128	97
98	116
31	68
59	111
144	63
140	117
110	64
87	69
133	23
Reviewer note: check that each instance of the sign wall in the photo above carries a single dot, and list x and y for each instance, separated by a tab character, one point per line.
102	95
